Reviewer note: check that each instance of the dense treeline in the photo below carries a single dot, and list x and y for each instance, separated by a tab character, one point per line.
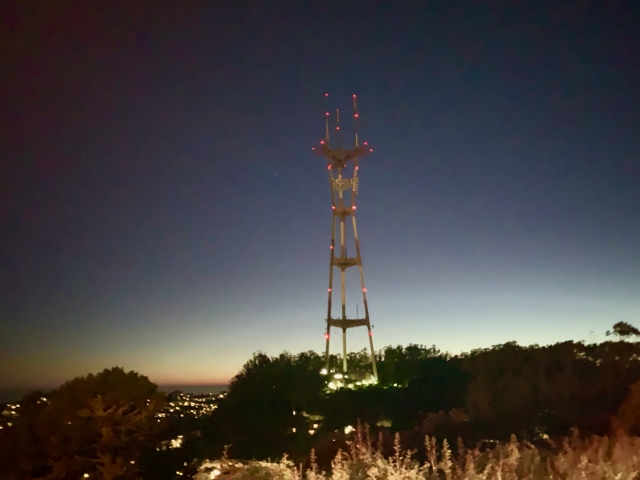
486	394
105	425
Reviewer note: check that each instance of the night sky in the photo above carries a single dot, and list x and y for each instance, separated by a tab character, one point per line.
161	208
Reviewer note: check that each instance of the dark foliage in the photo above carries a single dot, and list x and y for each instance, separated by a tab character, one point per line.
256	417
533	390
490	393
105	425
624	330
97	425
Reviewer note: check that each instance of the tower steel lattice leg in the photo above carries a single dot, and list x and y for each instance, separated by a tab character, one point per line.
364	299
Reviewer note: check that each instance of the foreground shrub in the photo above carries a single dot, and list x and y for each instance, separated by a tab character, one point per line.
629	414
593	458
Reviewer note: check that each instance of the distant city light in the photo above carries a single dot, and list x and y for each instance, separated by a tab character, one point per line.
176	442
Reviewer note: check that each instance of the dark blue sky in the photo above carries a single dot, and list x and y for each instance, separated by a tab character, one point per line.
162	210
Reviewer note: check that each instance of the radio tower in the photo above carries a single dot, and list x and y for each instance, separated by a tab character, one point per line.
338	160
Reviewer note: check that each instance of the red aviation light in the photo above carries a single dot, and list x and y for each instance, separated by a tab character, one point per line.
371	149
326	336
353	207
355	115
338	127
364	290
354	95
328	289
357	167
321	142
331	247
328	167
333	207
326	114
370	333
326	94
365	143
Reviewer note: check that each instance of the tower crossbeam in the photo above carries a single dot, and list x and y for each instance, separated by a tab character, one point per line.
346	262
348	322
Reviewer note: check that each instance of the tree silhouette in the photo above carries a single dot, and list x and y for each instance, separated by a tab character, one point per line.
95	425
624	330
257	415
